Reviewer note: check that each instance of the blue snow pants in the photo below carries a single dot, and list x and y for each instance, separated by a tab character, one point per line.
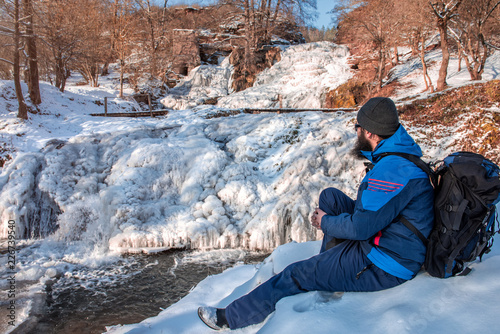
342	268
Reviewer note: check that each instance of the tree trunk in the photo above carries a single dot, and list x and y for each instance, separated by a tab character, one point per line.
267	15
58	71
61	72
152	35
381	66
23	110
95	75
114	39
481	61
427	78
474	59
460	55
276	10
247	37
122	64
414	43
443	70
254	25
443	12
396	56
67	74
33	78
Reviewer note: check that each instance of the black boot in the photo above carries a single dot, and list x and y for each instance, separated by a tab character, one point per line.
214	318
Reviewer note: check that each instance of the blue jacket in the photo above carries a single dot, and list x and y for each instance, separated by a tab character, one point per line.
395	186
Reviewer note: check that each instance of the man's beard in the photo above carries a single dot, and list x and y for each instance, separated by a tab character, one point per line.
362	144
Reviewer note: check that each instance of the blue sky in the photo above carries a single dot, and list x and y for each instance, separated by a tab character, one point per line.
323	7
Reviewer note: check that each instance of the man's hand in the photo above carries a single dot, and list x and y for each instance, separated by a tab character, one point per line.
316	217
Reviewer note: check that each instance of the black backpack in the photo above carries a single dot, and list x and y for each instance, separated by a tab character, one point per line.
467	189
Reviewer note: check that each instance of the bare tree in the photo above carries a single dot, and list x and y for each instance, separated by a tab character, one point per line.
153	31
91	52
6	40
63	30
23	110
263	17
416	31
6	61
474	31
371	21
249	37
323	34
31	51
444	10
12	29
122	35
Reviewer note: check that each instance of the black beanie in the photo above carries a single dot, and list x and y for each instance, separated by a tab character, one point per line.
379	116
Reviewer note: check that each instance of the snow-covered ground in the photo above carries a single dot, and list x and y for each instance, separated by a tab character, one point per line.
194	178
409	73
425	304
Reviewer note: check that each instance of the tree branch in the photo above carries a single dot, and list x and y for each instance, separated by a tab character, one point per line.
7	61
434	9
6	30
490	12
492	46
453	6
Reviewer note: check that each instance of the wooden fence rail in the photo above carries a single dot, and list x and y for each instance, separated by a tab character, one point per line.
162	112
289	110
152	113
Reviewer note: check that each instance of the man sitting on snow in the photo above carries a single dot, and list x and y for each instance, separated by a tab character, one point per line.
379	251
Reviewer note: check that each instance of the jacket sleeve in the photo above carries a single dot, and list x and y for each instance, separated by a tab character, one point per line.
383	194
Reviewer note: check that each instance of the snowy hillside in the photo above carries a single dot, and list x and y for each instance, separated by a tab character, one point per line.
85	189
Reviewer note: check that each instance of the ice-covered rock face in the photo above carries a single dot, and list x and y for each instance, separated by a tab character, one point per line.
190	180
203	83
302	78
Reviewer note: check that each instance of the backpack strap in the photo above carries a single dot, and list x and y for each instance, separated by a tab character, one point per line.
465	238
417	161
432	177
415	230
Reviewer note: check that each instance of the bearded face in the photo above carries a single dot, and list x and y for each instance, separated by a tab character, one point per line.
362	144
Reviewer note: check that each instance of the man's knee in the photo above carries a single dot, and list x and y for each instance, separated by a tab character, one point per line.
303	274
335	202
329	194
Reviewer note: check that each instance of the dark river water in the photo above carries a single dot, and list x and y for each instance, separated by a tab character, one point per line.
126	292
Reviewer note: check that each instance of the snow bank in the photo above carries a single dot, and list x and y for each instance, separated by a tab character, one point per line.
423	305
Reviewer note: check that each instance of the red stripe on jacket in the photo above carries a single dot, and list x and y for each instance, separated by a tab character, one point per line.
376	241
